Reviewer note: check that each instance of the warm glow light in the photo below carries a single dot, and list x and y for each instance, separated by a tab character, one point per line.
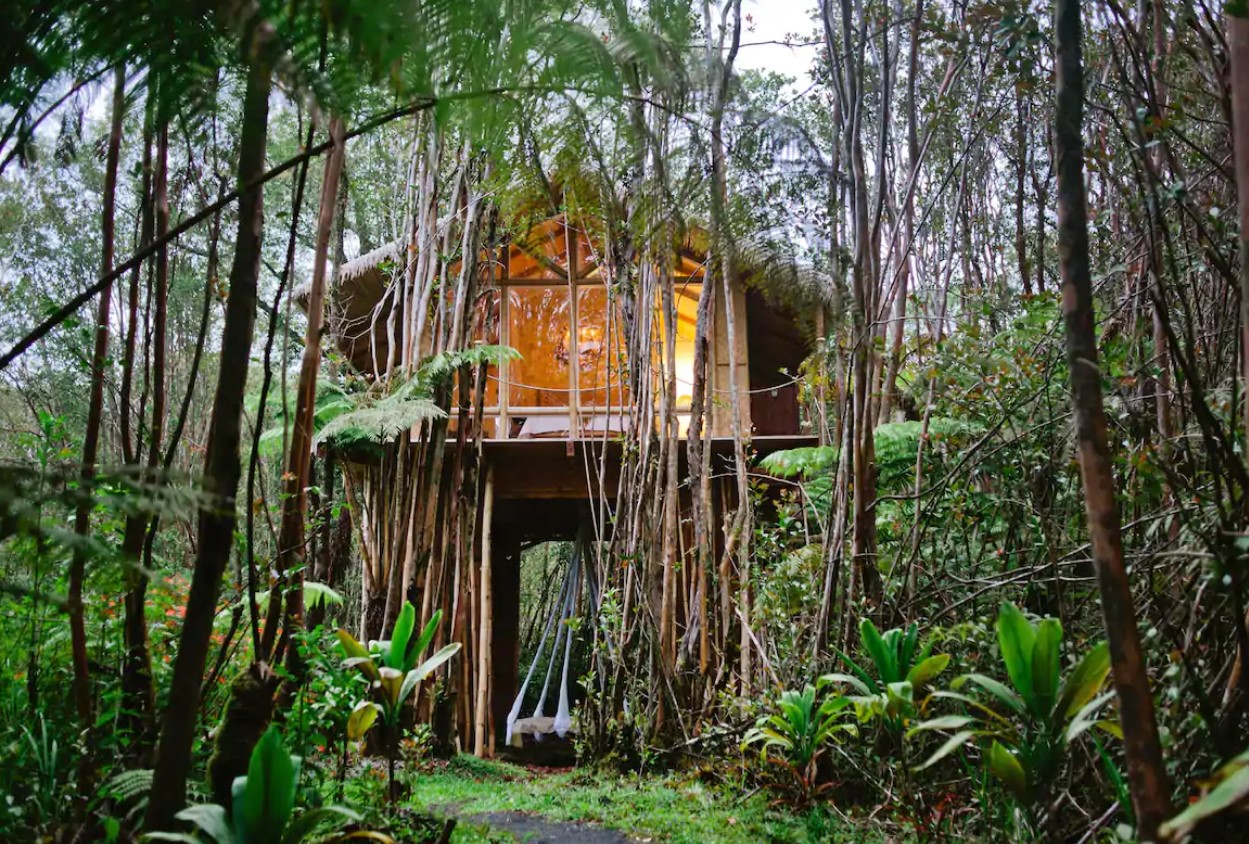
590	339
685	371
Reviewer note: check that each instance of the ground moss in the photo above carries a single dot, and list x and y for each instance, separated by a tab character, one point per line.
668	808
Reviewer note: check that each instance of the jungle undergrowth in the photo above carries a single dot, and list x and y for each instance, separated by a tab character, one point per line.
671	808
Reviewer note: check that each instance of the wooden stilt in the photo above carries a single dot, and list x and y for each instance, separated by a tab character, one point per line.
480	742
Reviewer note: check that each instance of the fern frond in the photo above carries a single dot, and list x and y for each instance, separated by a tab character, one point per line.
800	462
438	368
382	422
128	785
315	595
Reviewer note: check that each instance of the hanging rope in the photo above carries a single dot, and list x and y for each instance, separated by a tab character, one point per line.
562	613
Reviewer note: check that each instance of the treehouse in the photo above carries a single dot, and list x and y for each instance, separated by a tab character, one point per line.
546	298
537	445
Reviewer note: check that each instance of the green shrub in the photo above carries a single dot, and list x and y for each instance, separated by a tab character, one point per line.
1026	727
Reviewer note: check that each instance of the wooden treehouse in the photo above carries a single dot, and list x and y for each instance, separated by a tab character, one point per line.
540	449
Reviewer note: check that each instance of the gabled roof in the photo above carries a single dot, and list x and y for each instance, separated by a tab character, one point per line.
358	307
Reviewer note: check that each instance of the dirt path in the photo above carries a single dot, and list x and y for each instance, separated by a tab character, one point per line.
535	829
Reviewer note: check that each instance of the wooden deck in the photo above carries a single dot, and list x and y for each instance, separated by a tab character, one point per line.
581	468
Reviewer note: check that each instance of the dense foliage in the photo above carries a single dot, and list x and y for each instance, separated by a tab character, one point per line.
245	587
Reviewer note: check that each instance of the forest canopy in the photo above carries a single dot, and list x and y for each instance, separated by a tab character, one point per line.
402	402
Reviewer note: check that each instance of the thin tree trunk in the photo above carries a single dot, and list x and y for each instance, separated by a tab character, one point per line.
700	481
291	539
95	411
222	463
138	690
890	396
864	576
1146	773
288	597
738	540
485	635
1021	168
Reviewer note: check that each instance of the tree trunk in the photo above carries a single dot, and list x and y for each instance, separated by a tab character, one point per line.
1146	772
700	481
738	539
1021	167
290	553
890	397
222	464
1236	694
95	410
865	578
138	690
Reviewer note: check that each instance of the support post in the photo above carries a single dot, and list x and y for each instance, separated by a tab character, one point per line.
482	743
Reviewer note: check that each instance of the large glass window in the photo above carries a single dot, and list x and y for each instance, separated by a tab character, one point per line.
538	328
602	370
687	294
556	343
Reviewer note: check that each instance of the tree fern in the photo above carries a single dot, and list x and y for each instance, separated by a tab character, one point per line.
331	401
804	462
440	367
379	423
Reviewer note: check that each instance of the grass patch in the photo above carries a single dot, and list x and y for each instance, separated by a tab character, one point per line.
669	809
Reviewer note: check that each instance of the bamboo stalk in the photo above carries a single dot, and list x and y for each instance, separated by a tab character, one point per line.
484	631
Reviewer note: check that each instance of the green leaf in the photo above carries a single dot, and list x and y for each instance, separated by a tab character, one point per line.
395	656
944	722
991	713
926	670
1085	720
308	821
383	422
884	656
319	594
268	794
834	705
907	651
409	683
902	692
358	655
1085	681
423	641
1005	766
1016	637
858	684
389	684
212	819
899	699
952	744
361	719
866	679
806	462
996	688
432	664
1232	791
1045	666
171	836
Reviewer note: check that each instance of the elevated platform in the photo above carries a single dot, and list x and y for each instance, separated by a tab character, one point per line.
579	468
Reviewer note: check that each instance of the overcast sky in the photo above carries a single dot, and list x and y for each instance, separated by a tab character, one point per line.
775	20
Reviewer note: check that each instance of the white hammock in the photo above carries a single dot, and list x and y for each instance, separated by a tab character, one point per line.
562	611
